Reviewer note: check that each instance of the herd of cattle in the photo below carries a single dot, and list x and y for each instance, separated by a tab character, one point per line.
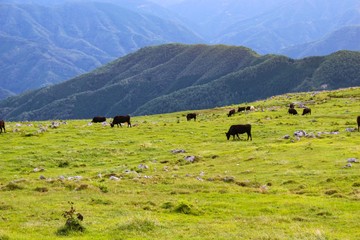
234	130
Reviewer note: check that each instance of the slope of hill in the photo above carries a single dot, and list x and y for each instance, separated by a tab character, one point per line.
169	178
177	77
344	38
46	44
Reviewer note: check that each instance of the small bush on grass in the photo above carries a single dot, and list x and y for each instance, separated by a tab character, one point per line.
186	208
72	223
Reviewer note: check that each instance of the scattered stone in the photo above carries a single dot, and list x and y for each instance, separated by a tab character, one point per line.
114	178
38	170
178	151
55	125
190	158
349	165
42	130
42	177
300	133
352	160
143	166
75	178
350	129
286	136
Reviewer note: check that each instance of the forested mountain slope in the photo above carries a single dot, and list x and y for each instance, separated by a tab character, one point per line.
176	77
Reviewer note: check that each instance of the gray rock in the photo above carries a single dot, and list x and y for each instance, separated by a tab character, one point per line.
190	158
178	151
352	160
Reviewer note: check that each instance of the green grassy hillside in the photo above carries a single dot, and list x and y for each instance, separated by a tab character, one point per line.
136	183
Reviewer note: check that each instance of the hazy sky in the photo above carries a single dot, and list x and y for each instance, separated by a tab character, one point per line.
166	2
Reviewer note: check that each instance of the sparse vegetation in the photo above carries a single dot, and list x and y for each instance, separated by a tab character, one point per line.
136	183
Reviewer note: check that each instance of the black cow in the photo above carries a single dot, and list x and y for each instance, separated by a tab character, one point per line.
231	112
118	120
358	122
98	119
190	116
292	111
2	126
306	111
239	129
241	109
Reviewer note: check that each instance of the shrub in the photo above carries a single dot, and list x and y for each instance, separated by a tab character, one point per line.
72	223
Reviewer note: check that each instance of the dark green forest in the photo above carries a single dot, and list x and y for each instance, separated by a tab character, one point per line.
175	77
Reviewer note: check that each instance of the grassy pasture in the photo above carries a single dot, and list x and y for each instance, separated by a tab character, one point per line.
128	184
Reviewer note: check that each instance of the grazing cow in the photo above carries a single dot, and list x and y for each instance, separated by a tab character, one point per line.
292	111
2	126
306	111
231	112
239	129
292	105
98	119
118	120
241	109
190	116
358	122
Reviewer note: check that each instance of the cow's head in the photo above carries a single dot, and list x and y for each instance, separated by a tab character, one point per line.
227	135
112	124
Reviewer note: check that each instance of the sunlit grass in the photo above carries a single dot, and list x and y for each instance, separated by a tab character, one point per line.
128	184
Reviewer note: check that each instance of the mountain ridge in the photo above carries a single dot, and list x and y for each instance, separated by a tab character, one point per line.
175	77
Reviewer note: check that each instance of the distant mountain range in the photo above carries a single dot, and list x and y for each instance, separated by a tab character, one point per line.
176	77
345	38
46	42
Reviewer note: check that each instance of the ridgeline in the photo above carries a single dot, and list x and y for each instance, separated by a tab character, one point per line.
177	77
